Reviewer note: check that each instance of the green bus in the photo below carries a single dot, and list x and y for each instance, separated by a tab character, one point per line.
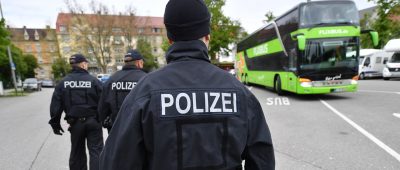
311	49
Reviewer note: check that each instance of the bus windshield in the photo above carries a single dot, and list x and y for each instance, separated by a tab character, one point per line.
330	53
328	13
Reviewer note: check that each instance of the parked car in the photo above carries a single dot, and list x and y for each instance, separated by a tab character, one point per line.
32	84
47	83
103	77
371	63
392	68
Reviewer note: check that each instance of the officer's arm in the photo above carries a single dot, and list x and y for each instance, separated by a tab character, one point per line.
56	106
104	107
99	88
259	152
124	148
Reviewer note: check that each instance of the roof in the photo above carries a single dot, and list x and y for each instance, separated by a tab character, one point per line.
18	34
139	21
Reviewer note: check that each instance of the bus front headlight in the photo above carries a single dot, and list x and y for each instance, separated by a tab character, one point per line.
306	84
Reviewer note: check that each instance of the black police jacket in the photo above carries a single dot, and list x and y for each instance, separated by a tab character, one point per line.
77	95
189	115
116	89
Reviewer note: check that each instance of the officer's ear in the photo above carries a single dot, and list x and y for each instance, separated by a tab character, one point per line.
170	42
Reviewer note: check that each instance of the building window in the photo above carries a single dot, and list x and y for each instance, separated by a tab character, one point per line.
40	59
155	30
141	30
118	50
116	30
63	28
36	35
66	49
52	48
65	38
28	48
109	70
90	50
117	39
38	47
26	35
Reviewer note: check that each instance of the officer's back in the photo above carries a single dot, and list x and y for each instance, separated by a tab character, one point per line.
118	86
78	95
189	114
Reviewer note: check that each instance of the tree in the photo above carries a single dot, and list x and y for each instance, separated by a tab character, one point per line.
31	65
165	45
224	31
144	47
60	68
102	30
387	24
269	16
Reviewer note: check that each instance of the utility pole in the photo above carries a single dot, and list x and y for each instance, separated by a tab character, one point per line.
12	65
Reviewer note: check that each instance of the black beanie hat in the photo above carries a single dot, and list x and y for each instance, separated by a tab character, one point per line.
132	55
186	20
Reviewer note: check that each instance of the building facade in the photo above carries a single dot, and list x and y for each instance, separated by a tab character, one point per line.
106	38
42	43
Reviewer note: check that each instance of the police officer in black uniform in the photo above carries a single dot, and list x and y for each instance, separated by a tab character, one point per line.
78	96
118	86
189	114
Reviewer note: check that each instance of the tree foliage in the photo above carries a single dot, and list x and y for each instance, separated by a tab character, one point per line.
224	31
269	16
387	23
24	64
144	47
31	65
101	30
60	68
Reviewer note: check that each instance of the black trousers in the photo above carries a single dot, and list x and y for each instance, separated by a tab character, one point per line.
85	131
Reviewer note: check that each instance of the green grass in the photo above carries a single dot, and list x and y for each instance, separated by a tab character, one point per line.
14	94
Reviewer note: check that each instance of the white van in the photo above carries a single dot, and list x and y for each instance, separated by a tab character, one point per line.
371	63
392	68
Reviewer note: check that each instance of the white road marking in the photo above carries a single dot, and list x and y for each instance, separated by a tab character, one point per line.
364	132
376	91
396	115
250	87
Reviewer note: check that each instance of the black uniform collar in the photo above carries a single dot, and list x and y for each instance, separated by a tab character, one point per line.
129	67
79	70
194	49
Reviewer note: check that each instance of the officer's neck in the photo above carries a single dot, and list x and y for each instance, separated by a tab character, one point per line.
78	69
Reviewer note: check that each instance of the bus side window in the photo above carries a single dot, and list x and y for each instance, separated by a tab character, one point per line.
385	60
293	60
378	60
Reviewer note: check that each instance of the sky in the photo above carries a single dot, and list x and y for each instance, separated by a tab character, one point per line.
39	13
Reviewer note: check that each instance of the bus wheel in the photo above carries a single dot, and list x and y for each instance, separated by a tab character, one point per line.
362	76
278	86
246	80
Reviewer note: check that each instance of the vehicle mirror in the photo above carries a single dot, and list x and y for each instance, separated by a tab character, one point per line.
375	38
301	40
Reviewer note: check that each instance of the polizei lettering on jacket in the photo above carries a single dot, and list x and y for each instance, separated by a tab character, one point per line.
77	84
123	85
197	103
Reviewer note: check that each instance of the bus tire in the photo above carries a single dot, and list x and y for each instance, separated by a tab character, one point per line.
278	86
246	80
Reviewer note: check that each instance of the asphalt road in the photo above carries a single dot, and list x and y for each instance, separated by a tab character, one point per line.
336	131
